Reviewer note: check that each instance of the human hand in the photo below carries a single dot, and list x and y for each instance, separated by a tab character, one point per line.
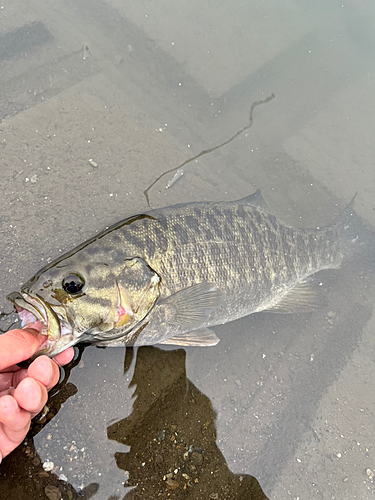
23	391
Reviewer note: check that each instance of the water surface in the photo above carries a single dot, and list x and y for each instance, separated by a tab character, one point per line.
99	99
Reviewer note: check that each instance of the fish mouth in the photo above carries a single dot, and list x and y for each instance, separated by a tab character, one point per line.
31	309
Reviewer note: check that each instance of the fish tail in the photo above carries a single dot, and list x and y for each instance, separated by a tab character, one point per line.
358	241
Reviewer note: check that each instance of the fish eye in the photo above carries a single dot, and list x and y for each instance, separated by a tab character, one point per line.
73	283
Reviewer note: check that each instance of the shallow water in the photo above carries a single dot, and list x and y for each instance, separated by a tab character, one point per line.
98	100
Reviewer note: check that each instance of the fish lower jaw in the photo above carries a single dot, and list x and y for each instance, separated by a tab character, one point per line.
53	344
28	320
52	347
46	346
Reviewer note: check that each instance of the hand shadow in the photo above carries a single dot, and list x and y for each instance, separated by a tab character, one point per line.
172	437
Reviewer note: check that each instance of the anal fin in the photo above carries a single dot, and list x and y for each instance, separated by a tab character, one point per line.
302	298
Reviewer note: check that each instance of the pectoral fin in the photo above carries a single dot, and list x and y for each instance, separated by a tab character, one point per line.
192	306
203	337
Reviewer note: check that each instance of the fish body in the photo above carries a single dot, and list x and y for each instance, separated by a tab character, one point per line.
167	275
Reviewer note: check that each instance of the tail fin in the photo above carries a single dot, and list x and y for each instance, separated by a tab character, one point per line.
358	241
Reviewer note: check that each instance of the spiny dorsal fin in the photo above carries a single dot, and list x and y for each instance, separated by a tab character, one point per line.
202	337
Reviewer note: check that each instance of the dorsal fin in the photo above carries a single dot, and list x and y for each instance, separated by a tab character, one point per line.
255	199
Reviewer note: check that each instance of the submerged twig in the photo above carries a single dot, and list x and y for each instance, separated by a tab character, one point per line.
179	173
206	151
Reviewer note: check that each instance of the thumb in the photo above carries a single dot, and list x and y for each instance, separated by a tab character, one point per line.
18	345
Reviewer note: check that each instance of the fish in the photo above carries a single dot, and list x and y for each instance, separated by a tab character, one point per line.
166	276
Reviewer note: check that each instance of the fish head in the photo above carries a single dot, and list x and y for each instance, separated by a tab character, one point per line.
86	301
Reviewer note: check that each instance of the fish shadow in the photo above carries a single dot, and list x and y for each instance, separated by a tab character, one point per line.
172	437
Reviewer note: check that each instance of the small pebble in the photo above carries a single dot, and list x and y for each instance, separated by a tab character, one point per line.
52	492
370	474
47	466
161	435
196	458
171	484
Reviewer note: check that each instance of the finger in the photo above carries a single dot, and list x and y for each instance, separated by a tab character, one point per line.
18	345
12	379
31	395
15	420
6	380
45	371
7	391
65	357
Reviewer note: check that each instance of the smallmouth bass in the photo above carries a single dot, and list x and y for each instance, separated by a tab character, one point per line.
167	275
